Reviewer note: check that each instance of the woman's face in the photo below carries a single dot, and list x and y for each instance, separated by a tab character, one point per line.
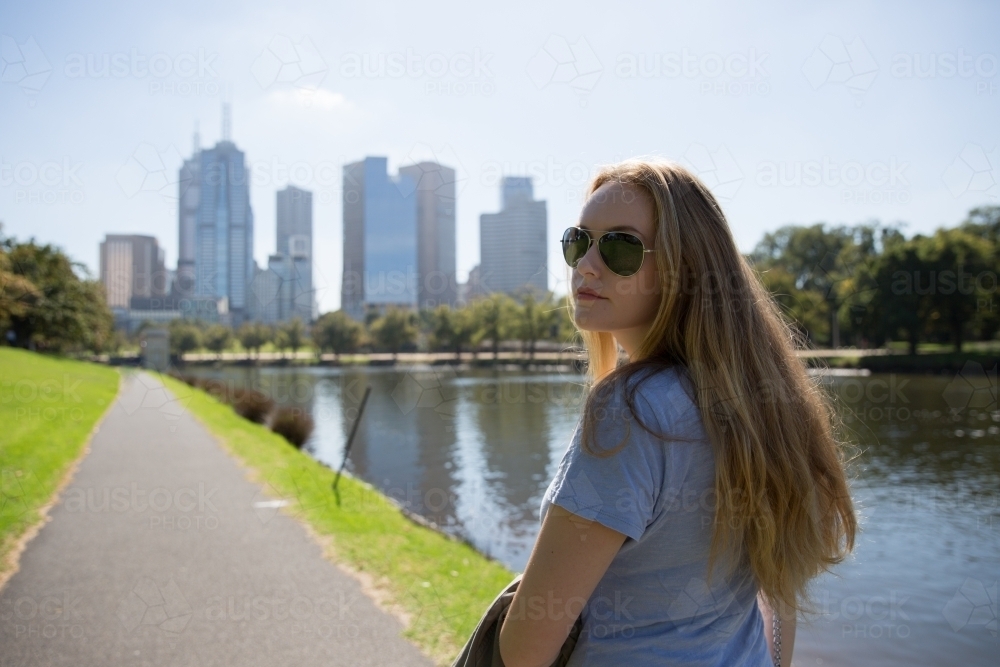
624	306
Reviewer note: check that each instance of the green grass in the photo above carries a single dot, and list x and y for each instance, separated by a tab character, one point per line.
442	585
48	408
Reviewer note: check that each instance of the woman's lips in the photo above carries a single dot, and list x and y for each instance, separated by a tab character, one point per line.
587	296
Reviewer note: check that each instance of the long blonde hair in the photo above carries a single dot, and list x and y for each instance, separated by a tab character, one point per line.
782	496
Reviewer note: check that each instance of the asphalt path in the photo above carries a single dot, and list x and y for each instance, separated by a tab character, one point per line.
161	552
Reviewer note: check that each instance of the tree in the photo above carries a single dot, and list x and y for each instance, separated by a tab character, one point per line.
184	337
561	327
18	295
452	328
47	305
899	305
217	338
958	262
494	315
336	332
291	334
253	335
806	309
394	330
534	319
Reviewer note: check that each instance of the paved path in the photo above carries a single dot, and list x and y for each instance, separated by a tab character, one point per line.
156	555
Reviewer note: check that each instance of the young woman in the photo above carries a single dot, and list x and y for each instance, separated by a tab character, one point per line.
704	473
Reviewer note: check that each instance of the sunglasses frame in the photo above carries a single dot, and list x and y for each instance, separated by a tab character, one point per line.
600	235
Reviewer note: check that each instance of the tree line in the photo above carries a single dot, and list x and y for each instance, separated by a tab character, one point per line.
867	285
489	321
864	285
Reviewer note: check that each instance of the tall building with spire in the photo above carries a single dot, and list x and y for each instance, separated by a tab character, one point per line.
216	225
188	189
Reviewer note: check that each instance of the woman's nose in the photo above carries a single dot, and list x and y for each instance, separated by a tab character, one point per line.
591	261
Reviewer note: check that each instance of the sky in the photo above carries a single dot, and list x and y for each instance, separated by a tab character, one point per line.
791	112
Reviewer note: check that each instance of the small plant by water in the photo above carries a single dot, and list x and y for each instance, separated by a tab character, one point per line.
293	424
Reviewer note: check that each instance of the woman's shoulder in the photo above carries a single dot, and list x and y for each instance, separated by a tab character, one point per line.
661	396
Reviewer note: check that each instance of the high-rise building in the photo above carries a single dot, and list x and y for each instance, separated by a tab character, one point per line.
435	202
380	238
513	252
132	266
188	189
295	242
224	264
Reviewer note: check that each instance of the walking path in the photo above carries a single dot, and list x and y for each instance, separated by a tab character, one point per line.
158	552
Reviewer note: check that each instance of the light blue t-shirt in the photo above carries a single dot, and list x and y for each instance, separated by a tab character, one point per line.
654	605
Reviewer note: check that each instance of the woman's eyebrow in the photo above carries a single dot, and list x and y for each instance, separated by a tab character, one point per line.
616	228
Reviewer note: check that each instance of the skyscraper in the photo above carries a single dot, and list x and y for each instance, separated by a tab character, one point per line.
295	242
435	203
132	265
224	228
513	251
188	188
380	238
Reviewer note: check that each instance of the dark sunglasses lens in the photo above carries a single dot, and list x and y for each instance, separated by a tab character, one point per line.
621	252
574	244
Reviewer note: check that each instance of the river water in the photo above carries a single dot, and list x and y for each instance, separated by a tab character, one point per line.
475	450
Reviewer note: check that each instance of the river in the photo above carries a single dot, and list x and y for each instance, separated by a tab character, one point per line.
475	450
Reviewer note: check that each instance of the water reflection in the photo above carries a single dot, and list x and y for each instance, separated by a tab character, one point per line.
474	452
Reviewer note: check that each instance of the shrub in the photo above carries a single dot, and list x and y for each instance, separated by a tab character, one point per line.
252	404
218	389
293	424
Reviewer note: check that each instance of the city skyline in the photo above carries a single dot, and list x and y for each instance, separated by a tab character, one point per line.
792	115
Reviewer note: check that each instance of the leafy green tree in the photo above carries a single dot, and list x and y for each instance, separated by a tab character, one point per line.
394	330
217	338
336	332
495	317
18	295
452	328
253	336
534	320
960	274
806	309
826	274
47	304
561	327
184	337
984	222
291	334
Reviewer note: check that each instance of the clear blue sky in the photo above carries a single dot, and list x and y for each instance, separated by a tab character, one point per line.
843	94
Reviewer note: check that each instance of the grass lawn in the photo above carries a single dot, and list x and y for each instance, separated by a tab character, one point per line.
441	586
48	409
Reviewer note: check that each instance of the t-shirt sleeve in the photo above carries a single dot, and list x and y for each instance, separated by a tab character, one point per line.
619	491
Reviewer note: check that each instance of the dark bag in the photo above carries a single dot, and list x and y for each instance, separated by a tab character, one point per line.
483	647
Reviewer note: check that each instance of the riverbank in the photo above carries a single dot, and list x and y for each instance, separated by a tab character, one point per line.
864	360
439	585
49	407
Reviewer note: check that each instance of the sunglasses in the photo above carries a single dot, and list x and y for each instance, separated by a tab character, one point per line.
622	252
